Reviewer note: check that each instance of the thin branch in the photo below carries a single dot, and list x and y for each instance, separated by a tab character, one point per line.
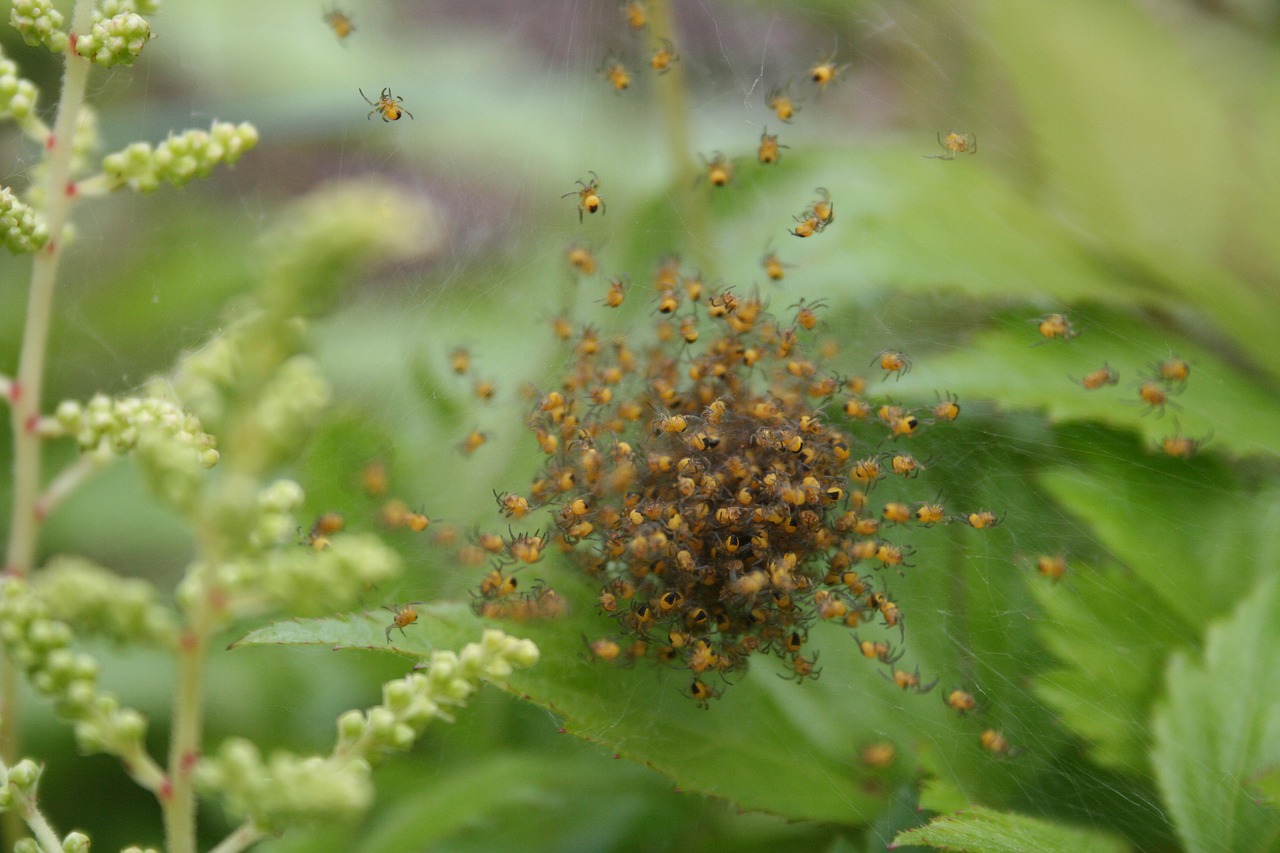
244	836
70	479
24	390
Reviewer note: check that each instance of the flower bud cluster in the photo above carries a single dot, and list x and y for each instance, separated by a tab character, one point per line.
202	377
301	580
18	793
108	8
121	424
40	646
117	40
274	521
172	447
74	842
18	99
18	783
289	404
285	789
410	703
39	23
98	601
289	789
20	228
341	224
191	154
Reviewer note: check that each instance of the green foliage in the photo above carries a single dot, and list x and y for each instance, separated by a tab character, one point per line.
745	752
982	830
1125	175
1219	726
1113	655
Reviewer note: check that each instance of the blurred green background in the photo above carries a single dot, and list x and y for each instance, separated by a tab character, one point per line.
1127	172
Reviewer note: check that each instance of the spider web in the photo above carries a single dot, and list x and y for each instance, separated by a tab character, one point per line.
509	109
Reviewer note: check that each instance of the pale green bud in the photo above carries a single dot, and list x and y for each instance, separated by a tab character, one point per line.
24	775
178	159
98	601
108	8
382	722
20	228
75	842
284	496
130	725
351	726
402	737
116	40
39	23
397	695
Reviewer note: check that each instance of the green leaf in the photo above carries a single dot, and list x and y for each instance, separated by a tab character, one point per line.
1107	628
1116	179
939	792
1195	531
914	224
566	798
970	623
1219	725
354	631
982	830
1268	787
758	746
569	802
1228	408
1100	122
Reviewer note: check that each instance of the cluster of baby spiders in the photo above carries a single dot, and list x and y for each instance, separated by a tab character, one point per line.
821	74
719	170
661	52
1154	389
714	485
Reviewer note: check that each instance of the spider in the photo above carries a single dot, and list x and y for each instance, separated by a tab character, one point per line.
340	23
955	143
588	196
387	105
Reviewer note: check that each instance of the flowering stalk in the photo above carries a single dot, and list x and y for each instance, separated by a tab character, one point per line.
284	789
24	391
171	445
24	394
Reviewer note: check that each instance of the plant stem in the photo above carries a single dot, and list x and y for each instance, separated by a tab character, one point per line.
184	748
68	481
45	836
25	393
243	836
9	742
673	103
24	390
44	833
